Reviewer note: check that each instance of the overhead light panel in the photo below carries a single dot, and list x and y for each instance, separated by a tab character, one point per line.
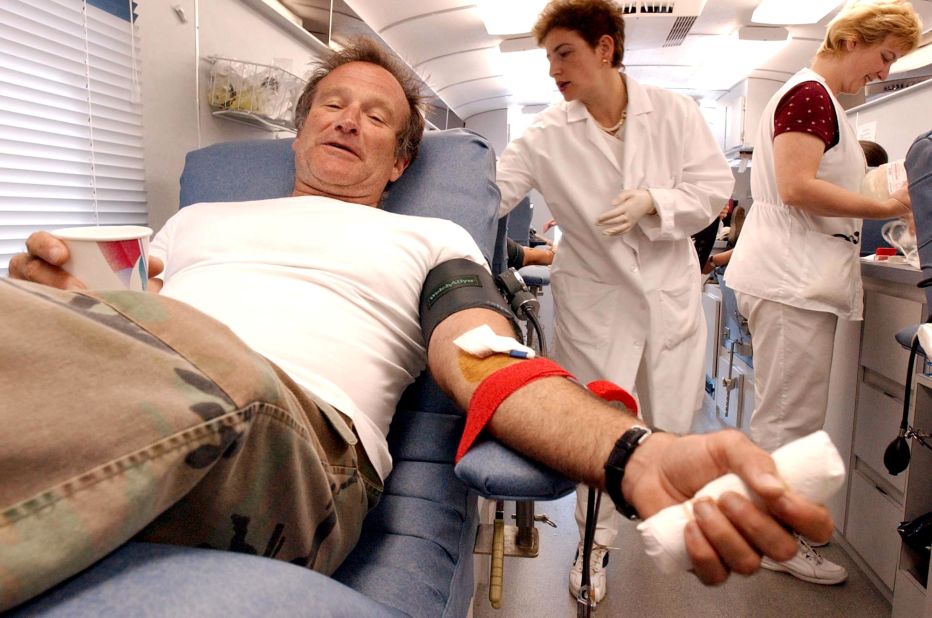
526	75
511	17
792	12
728	59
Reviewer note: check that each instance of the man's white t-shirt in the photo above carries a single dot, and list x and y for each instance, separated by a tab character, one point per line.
325	289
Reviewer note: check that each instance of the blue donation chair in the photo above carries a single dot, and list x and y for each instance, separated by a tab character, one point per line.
919	171
415	557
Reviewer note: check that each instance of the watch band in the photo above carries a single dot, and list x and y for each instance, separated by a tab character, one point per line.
615	467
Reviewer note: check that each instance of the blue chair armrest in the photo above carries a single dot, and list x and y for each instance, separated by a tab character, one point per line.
496	472
905	336
535	275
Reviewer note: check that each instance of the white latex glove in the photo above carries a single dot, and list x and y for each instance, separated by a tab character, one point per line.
629	207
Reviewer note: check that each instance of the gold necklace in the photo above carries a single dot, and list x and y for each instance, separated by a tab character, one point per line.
615	127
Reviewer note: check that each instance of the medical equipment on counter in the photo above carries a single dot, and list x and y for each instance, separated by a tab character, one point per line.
882	181
897	234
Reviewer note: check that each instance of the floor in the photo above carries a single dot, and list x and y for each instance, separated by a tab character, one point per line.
538	587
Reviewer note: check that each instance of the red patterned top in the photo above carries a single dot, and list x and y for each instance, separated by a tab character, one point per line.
808	108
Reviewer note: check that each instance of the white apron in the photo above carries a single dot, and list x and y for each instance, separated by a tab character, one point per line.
789	255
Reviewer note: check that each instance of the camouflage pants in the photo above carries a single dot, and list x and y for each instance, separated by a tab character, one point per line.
128	416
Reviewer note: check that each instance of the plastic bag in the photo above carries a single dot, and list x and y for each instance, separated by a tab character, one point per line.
882	181
897	234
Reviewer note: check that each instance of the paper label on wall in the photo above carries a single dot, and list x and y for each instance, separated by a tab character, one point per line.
868	130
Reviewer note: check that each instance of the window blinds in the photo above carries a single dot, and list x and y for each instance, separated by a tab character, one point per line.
70	120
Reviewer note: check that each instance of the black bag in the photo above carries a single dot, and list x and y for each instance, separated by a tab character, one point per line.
917	533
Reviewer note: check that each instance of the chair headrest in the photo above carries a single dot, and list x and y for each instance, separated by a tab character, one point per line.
453	177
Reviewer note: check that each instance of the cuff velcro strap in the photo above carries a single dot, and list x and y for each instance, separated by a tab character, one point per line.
612	392
495	388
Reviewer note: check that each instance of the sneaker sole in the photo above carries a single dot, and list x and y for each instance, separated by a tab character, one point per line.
815	545
779	568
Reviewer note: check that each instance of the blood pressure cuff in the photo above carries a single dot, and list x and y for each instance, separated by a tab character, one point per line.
456	285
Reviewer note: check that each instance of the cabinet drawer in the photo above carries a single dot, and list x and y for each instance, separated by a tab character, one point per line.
884	315
908	597
877	423
871	530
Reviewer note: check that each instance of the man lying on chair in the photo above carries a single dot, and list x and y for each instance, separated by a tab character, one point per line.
253	394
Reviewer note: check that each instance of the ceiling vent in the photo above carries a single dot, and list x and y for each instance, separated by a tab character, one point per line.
678	32
647	7
651	24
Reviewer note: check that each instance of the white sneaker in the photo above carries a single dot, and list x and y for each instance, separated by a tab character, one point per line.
598	561
808	565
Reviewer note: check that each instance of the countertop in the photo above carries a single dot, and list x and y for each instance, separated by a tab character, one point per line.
894	273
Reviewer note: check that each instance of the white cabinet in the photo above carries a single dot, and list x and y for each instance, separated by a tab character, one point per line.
872	520
734	103
887	313
878	420
878	501
744	105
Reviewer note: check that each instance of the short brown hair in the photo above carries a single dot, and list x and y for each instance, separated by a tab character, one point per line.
591	19
874	153
367	50
870	22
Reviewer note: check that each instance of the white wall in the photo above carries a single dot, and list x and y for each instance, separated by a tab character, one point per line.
174	82
896	119
493	126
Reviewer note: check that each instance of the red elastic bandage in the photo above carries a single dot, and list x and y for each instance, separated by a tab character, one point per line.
495	388
612	392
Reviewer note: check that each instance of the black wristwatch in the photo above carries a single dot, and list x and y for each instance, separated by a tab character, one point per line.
615	467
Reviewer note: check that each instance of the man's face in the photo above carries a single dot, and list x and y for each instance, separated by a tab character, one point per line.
346	148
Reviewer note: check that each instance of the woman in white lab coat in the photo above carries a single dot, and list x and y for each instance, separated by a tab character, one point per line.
795	269
630	172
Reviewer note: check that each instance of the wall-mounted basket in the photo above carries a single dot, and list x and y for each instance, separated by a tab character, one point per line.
257	94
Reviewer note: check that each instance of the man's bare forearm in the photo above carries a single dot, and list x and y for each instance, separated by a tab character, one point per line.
552	420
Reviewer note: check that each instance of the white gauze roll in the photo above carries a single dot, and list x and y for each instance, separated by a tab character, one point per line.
810	466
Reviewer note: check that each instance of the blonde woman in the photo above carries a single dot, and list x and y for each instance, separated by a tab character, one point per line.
795	269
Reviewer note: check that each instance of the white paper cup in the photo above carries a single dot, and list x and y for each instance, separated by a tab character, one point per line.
108	257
